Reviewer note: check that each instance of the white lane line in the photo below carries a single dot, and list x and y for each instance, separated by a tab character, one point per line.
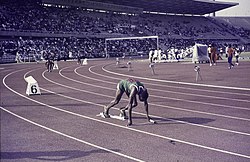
198	125
206	96
176	87
201	90
190	94
52	107
215	128
71	137
170	107
182	83
201	112
203	103
163	97
160	85
129	128
154	116
80	82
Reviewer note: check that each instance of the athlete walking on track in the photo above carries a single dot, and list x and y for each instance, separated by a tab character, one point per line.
132	88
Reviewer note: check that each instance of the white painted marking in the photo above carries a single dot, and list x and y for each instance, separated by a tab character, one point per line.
160	85
71	137
200	89
215	128
154	116
182	83
221	129
212	104
206	96
77	81
140	131
203	103
136	130
170	107
190	94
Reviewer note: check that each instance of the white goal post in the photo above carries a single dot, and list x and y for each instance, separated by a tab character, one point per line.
130	38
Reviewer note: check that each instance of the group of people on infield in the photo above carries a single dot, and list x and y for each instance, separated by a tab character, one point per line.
215	54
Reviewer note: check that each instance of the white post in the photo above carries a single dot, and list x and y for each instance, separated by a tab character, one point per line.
117	61
198	75
129	65
152	68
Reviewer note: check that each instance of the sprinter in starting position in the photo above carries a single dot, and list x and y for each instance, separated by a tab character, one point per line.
132	88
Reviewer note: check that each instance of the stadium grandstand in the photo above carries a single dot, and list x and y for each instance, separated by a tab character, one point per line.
63	29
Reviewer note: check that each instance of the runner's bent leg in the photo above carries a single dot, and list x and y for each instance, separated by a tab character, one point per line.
114	102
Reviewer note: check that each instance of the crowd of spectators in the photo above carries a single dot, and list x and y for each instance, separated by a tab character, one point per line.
240	31
130	47
32	17
60	48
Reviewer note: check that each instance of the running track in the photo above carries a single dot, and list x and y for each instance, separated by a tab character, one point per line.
204	121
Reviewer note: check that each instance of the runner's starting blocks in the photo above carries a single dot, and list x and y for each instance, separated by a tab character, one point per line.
112	116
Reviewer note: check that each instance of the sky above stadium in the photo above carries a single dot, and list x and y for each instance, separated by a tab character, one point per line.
241	10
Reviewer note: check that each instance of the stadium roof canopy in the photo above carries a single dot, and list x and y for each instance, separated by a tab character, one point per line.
194	7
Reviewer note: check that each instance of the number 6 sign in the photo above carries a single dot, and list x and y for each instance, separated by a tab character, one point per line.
32	87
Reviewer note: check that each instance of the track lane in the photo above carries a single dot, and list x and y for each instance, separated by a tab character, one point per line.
78	81
83	87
